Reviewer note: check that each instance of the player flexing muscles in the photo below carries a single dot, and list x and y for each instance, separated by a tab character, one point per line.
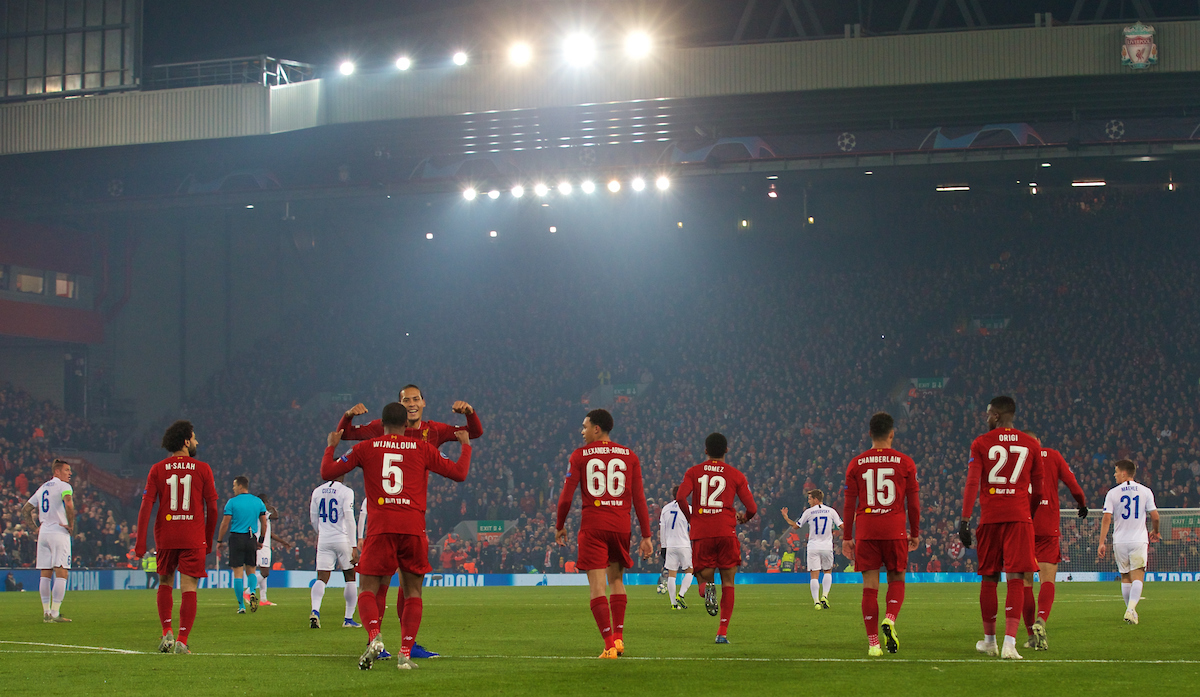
715	547
609	477
876	482
55	506
186	495
821	521
396	477
433	432
1011	461
1046	543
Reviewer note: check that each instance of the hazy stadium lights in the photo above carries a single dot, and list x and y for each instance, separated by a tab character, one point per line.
579	50
460	58
868	173
469	194
773	176
745	223
429	235
541	189
346	68
638	44
518	191
1045	164
587	186
638	183
564	188
403	63
953	187
772	193
1089	182
492	233
614	186
250	206
520	54
553	228
811	220
663	183
494	194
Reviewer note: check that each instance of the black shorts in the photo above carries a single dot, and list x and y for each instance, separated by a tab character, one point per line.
243	549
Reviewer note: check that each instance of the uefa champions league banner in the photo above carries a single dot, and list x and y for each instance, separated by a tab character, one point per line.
132	579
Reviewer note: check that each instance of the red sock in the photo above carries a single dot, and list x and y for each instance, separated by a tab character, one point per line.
895	599
368	612
603	618
187	615
617	604
381	602
726	608
1014	602
1029	610
988	606
165	604
401	601
411	624
870	613
700	587
1045	600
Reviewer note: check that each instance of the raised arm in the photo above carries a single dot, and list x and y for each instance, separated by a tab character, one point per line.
352	432
790	522
332	469
459	469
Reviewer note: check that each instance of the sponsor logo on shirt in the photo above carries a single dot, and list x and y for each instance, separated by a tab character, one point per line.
610	502
995	491
395	499
180	516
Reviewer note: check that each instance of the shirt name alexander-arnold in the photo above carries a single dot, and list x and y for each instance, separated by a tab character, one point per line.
396	445
605	450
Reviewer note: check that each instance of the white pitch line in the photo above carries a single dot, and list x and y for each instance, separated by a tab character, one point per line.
71	646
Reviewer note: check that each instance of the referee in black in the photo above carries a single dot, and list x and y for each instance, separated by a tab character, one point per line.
245	521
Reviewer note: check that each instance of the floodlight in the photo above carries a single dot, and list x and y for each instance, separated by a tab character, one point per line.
564	188
520	54
614	186
403	63
662	183
429	235
346	68
492	233
1089	182
579	50
638	44
493	194
587	186
541	189
469	194
518	191
460	58
638	184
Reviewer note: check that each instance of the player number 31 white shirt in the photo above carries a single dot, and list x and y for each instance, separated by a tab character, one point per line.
1128	505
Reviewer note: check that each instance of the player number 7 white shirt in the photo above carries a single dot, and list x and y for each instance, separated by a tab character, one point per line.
673	527
821	521
1128	505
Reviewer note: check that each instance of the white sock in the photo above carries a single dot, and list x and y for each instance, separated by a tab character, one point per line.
1135	594
317	594
671	589
826	583
1125	589
56	595
989	638
815	586
1010	641
44	589
350	593
262	585
687	583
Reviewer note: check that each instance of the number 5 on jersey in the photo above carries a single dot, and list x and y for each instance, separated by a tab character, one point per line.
393	476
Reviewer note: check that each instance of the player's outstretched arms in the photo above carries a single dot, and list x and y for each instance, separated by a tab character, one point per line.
461	407
964	533
356	410
790	522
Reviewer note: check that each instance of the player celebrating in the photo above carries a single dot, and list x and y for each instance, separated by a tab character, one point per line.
245	519
186	495
55	505
396	474
1047	547
821	521
609	477
673	533
1131	503
715	547
1007	503
331	512
876	482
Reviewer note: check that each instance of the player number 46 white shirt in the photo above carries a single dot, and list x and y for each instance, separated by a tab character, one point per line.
673	527
821	521
51	509
331	512
1128	505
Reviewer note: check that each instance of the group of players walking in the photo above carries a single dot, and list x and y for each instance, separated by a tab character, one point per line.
1018	531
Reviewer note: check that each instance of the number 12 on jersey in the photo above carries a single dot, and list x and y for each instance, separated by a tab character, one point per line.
717	482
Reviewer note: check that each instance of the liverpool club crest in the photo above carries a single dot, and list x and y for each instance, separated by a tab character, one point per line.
1139	50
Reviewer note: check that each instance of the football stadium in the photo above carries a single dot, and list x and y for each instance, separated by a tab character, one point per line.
716	322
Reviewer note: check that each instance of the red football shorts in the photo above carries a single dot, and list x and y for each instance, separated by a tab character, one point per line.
1005	547
716	553
599	548
382	554
1047	549
871	555
189	562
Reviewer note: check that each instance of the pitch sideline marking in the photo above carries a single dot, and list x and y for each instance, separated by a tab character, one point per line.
72	646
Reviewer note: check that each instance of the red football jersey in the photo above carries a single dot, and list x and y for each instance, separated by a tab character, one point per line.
712	485
396	477
1054	470
430	431
187	505
1009	464
879	483
609	477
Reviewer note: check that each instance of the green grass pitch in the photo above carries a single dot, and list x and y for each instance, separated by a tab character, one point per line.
543	641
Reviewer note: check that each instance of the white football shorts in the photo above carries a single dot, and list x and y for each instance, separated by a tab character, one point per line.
53	551
820	559
679	558
334	555
1130	555
264	557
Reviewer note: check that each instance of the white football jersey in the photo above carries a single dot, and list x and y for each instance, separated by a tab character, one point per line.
821	521
267	535
1128	505
51	509
331	512
673	527
362	520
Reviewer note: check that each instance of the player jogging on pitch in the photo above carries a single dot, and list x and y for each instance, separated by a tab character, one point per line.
1011	461
1127	506
673	533
821	521
245	520
186	495
1046	543
609	477
713	484
55	505
396	476
880	483
331	512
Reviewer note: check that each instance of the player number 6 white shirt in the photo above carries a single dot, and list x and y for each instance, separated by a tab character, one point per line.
51	510
1128	505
